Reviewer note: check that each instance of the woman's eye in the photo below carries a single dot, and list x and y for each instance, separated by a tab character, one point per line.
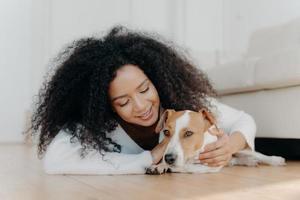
145	90
166	132
188	133
124	104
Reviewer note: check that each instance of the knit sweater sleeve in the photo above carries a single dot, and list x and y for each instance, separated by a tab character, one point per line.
231	120
63	157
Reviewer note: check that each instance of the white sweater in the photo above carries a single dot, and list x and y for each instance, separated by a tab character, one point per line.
63	157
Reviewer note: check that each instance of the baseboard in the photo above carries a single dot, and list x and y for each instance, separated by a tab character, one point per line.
287	148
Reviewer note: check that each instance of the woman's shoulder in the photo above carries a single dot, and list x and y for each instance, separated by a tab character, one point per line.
65	135
213	105
211	100
222	111
118	135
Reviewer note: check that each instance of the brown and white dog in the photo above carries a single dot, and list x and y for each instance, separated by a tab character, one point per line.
187	132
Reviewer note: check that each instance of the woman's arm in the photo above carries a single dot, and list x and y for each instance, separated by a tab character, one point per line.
237	142
236	122
63	157
240	129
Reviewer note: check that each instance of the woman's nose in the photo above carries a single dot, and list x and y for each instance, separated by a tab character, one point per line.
139	104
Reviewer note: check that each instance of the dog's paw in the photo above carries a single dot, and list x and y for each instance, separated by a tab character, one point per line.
277	161
156	170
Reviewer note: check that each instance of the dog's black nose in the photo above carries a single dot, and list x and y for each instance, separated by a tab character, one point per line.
170	158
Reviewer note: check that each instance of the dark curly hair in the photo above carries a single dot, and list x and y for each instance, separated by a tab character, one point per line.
75	98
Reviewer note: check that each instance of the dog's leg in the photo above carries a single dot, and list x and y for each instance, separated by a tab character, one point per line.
251	158
244	160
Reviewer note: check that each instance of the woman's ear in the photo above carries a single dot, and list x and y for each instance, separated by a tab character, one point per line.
162	120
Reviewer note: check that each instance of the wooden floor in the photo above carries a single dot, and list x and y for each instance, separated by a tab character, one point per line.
22	178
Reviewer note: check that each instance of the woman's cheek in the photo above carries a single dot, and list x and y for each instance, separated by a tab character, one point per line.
125	111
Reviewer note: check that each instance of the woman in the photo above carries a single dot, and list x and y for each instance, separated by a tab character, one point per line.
98	112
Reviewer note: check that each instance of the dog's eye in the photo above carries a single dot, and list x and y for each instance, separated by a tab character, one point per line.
166	132
188	133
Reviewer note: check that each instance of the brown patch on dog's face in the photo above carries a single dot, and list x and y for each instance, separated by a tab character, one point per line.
170	123
192	136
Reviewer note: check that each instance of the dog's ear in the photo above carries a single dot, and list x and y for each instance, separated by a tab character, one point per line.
163	118
208	115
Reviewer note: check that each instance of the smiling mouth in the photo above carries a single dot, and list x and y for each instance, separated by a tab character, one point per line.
147	114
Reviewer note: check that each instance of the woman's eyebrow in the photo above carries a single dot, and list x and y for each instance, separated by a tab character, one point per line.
121	96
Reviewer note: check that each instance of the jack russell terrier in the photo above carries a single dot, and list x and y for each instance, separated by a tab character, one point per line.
187	132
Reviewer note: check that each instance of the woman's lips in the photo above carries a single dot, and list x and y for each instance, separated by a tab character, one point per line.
147	115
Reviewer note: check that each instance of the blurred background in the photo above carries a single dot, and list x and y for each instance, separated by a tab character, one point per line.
248	48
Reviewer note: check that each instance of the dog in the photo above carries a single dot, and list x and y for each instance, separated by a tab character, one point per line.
187	132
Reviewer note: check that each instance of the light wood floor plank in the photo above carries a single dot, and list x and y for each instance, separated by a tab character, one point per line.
22	177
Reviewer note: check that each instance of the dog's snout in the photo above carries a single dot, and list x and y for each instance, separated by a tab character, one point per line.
170	158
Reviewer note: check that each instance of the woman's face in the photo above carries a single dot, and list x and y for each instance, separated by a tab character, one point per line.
133	96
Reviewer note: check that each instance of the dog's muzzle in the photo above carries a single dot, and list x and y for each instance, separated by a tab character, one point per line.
170	158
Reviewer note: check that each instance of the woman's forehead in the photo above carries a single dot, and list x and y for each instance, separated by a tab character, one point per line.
129	72
128	77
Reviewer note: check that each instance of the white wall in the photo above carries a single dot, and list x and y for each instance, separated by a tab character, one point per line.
15	66
212	31
203	28
36	30
242	18
71	19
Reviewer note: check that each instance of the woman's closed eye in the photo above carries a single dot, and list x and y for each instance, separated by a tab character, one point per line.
124	104
145	90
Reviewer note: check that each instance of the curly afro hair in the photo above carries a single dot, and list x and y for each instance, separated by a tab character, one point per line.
75	98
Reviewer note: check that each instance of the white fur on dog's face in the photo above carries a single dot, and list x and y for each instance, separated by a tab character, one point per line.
174	146
187	131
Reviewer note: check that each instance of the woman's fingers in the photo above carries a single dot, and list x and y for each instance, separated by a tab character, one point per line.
216	132
216	153
211	154
215	159
215	145
222	163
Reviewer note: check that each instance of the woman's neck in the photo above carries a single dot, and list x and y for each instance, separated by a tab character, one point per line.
139	127
144	136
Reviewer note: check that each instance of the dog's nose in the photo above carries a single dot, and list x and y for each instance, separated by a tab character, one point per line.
170	158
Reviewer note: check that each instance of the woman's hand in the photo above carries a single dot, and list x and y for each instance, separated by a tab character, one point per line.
158	151
219	153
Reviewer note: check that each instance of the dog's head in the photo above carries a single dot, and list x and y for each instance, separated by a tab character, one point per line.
187	132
